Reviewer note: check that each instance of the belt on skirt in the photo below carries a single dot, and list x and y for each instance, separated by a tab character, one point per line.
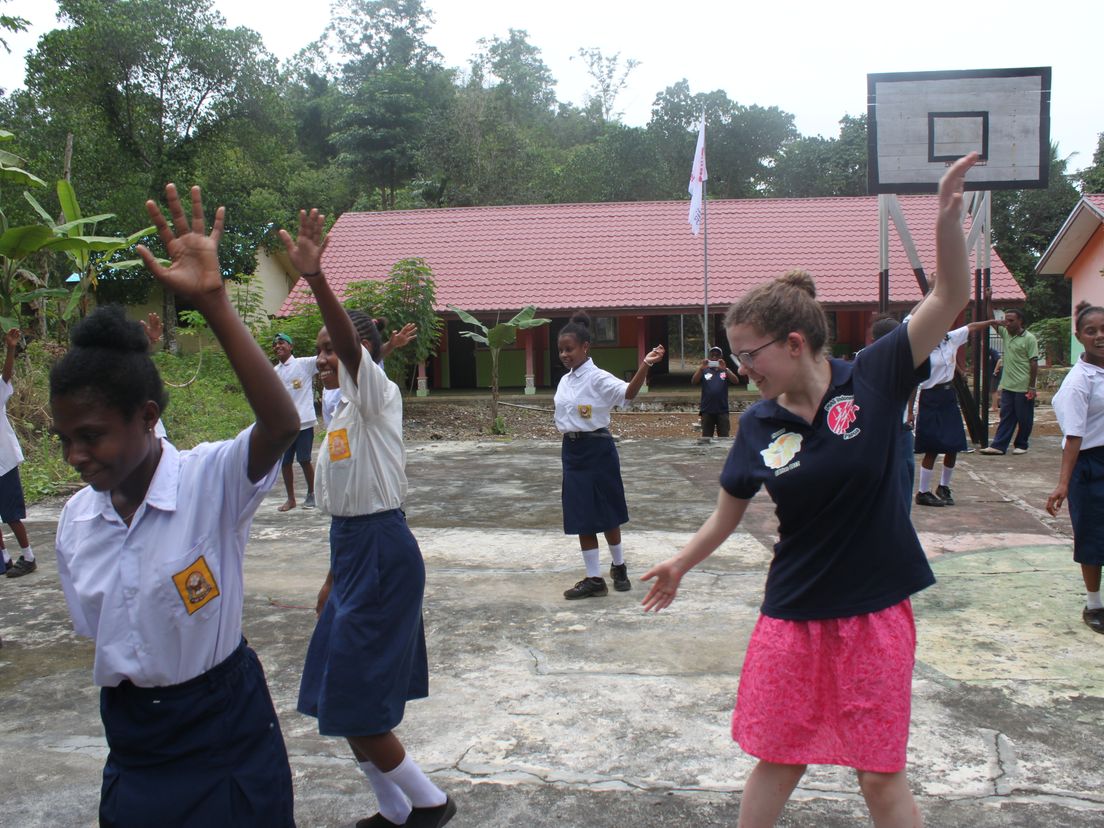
943	386
582	435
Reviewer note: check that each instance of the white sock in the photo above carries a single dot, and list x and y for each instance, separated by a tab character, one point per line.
618	552
416	785
7	557
925	479
27	553
393	804
1092	600
946	475
591	559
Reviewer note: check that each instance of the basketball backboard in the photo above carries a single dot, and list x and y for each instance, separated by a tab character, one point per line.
920	122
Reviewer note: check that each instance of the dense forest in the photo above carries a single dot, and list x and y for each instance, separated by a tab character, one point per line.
369	118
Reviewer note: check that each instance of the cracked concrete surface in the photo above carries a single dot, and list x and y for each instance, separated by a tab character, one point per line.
590	713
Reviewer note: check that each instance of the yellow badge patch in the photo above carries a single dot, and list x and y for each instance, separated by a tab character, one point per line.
296	383
339	445
584	411
196	585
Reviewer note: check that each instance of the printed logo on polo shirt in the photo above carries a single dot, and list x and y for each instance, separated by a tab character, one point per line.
297	383
196	585
783	449
584	411
842	413
338	442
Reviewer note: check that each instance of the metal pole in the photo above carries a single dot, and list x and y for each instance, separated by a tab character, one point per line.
705	254
682	343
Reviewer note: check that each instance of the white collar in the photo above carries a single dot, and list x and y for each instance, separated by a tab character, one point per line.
161	494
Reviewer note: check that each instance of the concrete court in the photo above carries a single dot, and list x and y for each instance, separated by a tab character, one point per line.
590	713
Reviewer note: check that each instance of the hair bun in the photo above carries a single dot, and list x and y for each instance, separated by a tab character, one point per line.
107	327
799	279
580	318
1081	306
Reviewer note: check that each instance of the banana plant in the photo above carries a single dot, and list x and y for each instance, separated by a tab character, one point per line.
497	338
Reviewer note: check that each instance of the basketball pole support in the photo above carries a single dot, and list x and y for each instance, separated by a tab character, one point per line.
975	407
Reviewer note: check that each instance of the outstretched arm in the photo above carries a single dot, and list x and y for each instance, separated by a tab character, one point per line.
153	328
726	516
641	375
194	274
306	254
399	339
938	311
11	339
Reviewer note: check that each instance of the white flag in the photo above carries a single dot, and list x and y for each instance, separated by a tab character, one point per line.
698	174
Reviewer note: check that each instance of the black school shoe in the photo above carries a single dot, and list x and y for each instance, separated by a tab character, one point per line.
21	567
928	499
619	573
587	588
432	817
944	494
1094	619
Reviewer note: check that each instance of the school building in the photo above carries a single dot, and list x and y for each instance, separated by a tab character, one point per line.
634	267
1077	253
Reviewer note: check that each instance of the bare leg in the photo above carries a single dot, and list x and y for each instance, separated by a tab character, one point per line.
889	799
384	750
20	532
613	537
308	473
1091	574
766	792
929	460
288	473
949	459
588	542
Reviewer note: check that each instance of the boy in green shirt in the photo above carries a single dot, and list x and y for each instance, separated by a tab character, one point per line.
1017	386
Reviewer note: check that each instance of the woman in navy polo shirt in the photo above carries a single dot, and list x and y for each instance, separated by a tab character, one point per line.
828	674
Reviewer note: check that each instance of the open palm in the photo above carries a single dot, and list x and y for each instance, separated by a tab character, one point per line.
193	271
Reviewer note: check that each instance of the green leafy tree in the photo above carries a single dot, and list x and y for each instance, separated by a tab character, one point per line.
496	338
521	81
1092	178
11	23
816	166
608	80
407	295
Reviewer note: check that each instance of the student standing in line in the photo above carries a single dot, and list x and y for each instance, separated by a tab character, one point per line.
827	678
297	375
150	558
715	378
1079	407
592	493
367	656
939	427
13	508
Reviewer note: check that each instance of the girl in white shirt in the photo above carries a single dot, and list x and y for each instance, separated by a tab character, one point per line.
367	656
1079	407
592	493
150	558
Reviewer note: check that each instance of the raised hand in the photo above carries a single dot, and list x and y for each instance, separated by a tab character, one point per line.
153	328
306	251
404	336
194	271
655	355
952	185
11	338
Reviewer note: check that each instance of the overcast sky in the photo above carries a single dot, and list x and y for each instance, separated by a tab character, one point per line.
808	58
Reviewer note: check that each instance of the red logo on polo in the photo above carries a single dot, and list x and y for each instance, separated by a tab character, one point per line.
842	413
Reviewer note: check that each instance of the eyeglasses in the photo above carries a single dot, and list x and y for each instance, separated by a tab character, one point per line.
745	359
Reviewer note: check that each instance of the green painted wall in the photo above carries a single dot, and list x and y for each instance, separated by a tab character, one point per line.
511	368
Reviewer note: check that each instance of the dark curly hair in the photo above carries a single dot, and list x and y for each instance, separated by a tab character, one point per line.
1082	310
578	327
368	330
109	358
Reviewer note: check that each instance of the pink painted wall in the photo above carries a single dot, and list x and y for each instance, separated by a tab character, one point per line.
1088	283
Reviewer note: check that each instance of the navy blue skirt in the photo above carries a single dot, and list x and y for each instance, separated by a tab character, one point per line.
1086	506
205	752
592	493
367	657
939	422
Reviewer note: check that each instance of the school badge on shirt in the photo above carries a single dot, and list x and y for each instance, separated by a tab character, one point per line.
584	411
196	585
296	383
338	443
842	413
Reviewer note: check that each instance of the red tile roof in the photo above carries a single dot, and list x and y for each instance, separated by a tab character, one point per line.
637	255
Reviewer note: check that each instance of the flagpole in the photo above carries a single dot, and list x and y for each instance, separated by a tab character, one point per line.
705	261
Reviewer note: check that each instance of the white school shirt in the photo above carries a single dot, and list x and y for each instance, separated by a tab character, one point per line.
1079	404
11	455
330	398
585	396
163	598
297	375
943	358
362	466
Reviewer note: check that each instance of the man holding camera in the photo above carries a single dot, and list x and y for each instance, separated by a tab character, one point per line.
715	378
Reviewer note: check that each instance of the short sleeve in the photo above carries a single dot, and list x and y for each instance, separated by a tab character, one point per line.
6	392
308	365
887	364
369	392
610	390
1071	404
1032	347
738	476
225	465
959	336
76	611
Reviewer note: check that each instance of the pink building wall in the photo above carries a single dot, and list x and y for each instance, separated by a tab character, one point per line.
1087	280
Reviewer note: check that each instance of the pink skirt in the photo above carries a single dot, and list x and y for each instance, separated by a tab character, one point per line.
830	692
